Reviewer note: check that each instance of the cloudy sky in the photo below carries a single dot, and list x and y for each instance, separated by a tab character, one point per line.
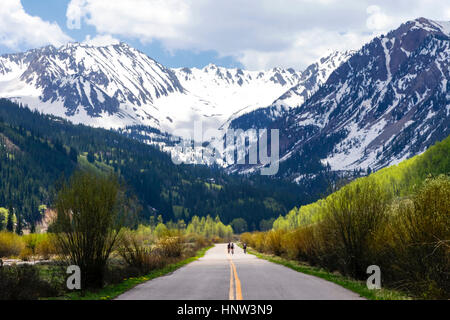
254	34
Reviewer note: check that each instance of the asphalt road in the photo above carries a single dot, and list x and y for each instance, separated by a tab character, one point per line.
219	276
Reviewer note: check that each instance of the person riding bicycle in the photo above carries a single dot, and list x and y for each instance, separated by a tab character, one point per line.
245	248
229	247
232	248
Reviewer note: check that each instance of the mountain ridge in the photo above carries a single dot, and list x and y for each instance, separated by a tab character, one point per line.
387	103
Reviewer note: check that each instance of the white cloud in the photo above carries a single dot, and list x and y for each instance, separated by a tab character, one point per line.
100	40
377	19
309	47
143	19
75	11
19	28
259	33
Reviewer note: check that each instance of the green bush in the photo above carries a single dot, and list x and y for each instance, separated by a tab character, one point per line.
47	246
197	240
352	218
413	249
301	243
31	242
255	240
25	283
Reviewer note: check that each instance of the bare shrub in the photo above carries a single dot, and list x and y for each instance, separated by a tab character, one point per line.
273	242
11	245
137	255
171	247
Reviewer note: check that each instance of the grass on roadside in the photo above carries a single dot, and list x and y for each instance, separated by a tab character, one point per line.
112	291
356	286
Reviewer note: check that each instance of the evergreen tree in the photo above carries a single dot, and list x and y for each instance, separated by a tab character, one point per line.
10	223
90	157
73	154
19	226
33	227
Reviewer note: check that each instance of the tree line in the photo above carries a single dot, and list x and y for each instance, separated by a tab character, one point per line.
37	151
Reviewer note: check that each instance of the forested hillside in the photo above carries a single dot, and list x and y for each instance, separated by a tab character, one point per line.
398	180
37	150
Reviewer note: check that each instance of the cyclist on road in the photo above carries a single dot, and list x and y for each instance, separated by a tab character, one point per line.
232	248
245	248
229	247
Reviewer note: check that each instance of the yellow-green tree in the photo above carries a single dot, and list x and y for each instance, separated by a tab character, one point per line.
89	208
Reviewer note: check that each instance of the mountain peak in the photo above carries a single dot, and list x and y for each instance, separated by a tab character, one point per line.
422	24
210	66
90	44
86	83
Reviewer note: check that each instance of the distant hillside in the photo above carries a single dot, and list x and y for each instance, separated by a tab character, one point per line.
400	180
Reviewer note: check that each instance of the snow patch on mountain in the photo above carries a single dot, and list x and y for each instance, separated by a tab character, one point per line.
114	86
228	93
312	78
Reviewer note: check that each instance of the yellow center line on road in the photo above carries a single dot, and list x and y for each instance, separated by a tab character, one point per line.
238	283
236	280
231	293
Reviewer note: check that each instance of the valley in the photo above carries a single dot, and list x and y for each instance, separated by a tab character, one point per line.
92	172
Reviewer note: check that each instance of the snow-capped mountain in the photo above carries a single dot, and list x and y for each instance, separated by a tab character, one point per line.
309	82
371	108
389	101
312	78
253	91
233	92
117	86
107	87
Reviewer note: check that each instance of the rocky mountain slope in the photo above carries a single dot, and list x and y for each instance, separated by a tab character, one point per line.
312	78
389	101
